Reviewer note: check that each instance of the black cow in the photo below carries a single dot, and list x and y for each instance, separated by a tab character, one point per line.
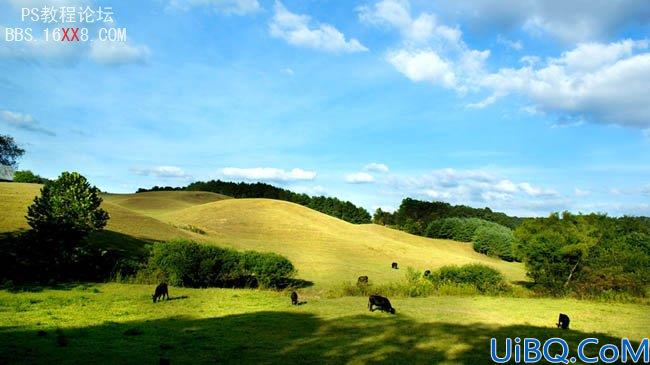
393	265
161	292
427	273
294	298
362	280
380	302
563	321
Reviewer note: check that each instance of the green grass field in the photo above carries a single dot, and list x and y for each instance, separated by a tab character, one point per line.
118	323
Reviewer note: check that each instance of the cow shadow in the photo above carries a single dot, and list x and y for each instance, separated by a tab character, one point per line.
180	297
273	337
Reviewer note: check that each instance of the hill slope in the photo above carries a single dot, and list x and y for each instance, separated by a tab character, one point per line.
126	228
155	203
327	250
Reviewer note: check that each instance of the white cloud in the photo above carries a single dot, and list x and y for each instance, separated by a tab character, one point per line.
535	191
516	45
570	21
296	30
288	71
423	65
477	188
237	7
24	121
437	195
604	83
429	51
376	167
162	171
593	82
268	174
117	53
581	192
397	14
359	178
317	190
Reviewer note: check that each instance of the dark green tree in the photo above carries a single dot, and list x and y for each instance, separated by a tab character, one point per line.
9	151
67	211
69	208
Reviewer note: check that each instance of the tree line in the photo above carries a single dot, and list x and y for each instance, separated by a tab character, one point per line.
414	216
589	254
334	207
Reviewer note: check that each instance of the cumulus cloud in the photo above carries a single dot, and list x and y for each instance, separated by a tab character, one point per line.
397	14
117	53
162	172
376	167
316	190
237	7
359	178
478	188
24	122
429	51
570	21
592	82
297	30
604	83
268	174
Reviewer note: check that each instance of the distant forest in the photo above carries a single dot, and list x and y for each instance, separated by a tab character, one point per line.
414	215
334	207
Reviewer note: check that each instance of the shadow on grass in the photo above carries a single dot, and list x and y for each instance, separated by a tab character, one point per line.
130	246
293	283
37	288
273	337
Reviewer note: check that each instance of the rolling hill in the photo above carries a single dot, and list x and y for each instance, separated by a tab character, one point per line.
327	250
324	249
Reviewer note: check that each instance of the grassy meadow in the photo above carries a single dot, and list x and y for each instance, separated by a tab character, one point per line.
118	323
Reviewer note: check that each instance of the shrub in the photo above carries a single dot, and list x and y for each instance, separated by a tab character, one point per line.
489	238
471	279
495	241
484	278
26	176
185	263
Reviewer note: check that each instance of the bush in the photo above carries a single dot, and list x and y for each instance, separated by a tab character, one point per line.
484	278
474	279
495	241
185	263
489	238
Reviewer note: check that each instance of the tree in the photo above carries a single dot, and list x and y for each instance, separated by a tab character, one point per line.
67	208
9	151
67	211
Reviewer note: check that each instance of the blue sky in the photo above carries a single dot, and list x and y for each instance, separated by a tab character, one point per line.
526	106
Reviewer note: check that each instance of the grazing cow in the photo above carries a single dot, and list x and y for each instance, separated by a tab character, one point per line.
563	321
427	273
294	298
380	302
362	280
161	292
393	265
